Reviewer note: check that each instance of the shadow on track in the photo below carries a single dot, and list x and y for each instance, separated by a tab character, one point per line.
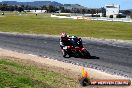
94	57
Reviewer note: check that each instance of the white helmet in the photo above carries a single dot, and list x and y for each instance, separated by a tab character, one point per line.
63	35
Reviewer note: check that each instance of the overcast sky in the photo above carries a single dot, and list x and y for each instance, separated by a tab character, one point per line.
124	4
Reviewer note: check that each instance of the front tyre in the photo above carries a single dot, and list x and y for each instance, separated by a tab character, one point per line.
86	54
64	53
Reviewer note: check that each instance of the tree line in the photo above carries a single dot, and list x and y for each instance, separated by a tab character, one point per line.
128	13
5	7
50	9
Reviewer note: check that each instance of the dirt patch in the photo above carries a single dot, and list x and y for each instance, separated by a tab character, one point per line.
68	69
45	62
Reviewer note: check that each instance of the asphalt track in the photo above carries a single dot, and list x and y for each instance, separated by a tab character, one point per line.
112	59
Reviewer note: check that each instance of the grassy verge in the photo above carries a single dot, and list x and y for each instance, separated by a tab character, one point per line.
43	24
19	75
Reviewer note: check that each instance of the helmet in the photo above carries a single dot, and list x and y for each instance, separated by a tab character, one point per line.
63	35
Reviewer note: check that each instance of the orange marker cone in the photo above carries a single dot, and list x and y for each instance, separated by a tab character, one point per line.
86	74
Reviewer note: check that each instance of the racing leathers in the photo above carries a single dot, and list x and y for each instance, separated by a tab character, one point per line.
64	41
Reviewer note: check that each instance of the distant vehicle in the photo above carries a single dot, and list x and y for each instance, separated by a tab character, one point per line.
2	13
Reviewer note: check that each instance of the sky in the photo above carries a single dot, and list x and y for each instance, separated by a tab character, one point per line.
124	4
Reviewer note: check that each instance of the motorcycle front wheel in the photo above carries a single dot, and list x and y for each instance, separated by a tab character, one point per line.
86	54
66	54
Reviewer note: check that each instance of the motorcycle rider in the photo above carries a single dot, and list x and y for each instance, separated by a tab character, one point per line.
64	40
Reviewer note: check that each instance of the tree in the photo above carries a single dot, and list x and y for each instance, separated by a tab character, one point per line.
15	8
83	11
3	7
44	7
11	8
51	8
131	15
103	10
20	9
127	12
62	9
93	11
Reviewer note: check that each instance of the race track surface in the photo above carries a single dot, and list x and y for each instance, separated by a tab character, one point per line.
112	59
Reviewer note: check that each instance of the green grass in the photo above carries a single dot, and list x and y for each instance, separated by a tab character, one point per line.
43	24
19	75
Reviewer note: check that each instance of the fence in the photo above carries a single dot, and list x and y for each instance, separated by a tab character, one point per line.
111	19
95	18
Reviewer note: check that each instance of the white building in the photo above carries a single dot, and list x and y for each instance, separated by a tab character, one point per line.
112	10
36	11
